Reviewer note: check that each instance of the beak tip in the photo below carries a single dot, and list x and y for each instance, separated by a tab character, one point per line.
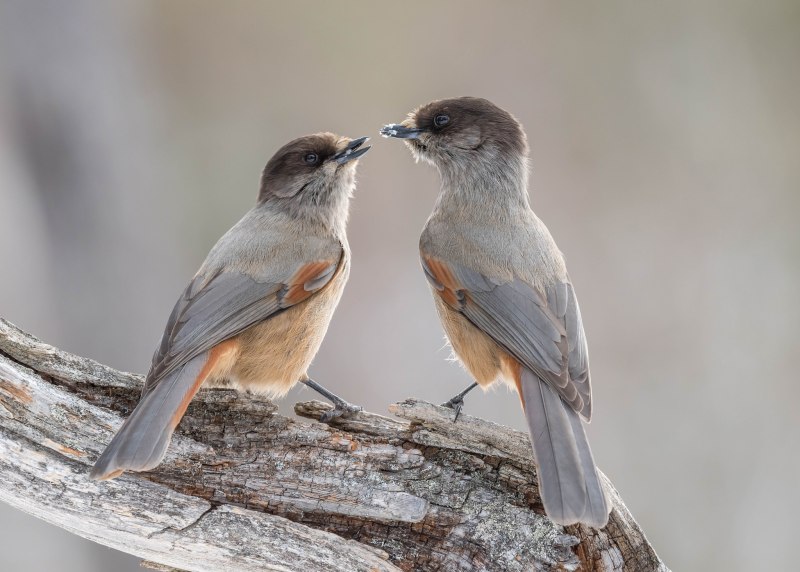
400	131
388	131
354	150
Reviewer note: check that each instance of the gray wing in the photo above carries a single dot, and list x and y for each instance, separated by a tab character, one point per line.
215	308
543	330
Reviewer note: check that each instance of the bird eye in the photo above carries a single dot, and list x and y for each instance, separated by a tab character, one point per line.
311	158
441	120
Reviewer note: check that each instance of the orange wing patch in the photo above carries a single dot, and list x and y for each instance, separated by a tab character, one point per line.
296	292
215	357
442	274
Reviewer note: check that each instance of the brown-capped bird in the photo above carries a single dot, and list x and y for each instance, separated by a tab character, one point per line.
503	293
257	310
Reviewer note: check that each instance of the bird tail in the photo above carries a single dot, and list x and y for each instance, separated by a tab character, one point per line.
142	441
569	483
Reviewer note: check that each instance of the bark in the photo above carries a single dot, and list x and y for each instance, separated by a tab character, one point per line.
244	488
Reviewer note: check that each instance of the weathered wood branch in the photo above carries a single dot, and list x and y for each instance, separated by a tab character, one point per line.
243	488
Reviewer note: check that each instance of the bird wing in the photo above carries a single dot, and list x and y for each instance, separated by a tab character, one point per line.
543	330
215	307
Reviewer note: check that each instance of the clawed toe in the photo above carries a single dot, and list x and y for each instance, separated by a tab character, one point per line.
340	406
341	409
456	404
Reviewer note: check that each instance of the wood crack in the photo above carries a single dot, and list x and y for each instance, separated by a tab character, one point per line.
244	488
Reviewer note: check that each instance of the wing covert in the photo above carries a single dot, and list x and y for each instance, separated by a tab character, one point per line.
543	330
215	308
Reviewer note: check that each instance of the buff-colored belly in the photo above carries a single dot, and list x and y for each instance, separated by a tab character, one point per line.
481	356
273	355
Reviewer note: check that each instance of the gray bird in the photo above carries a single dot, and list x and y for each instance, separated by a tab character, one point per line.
503	294
256	312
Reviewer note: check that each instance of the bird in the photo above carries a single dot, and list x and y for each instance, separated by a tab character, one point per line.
503	294
255	313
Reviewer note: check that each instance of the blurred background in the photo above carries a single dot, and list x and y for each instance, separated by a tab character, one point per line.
665	142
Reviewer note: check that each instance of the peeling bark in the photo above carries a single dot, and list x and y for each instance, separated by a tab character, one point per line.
243	488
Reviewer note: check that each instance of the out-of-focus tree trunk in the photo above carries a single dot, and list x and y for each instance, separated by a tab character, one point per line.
82	157
76	162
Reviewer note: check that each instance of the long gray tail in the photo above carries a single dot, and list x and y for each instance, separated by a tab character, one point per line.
142	441
568	480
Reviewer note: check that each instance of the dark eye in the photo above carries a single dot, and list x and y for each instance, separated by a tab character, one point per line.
311	158
441	120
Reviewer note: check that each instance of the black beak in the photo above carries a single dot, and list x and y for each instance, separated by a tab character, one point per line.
400	131
352	151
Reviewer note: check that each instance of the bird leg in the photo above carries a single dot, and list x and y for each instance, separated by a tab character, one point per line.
340	406
457	402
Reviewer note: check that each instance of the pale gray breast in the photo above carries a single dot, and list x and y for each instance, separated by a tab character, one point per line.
270	245
519	246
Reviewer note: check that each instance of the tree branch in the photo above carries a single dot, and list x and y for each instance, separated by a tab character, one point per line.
243	488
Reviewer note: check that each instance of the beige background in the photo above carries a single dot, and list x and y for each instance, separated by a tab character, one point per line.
665	139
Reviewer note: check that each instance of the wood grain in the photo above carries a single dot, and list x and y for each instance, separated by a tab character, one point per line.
243	488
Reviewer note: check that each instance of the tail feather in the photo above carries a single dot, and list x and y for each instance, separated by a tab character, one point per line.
597	504
569	484
142	440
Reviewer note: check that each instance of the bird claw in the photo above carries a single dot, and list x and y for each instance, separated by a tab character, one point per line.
340	408
456	404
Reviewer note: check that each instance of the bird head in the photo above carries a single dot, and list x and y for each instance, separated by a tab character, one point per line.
460	131
312	173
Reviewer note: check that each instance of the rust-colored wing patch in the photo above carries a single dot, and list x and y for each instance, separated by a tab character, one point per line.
296	286
440	272
216	356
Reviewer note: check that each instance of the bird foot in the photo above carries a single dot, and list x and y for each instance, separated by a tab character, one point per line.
340	408
456	404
